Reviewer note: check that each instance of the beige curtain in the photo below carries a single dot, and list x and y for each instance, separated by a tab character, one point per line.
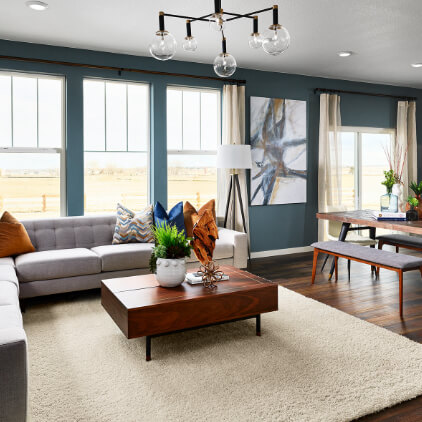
233	133
406	138
329	163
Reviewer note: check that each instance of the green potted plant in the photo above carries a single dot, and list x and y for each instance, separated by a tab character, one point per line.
412	213
168	258
389	202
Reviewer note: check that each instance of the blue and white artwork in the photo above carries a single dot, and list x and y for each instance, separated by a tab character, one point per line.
278	143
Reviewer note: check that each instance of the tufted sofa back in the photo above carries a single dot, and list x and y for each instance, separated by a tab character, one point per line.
71	232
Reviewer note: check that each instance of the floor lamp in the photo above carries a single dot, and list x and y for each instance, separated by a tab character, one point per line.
234	157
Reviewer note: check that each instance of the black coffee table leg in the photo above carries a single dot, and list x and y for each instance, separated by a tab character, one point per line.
258	325
148	348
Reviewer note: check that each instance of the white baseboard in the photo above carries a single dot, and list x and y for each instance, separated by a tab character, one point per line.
276	252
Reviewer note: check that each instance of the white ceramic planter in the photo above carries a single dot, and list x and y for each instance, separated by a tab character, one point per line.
171	272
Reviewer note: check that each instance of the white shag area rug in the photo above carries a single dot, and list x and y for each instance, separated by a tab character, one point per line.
312	363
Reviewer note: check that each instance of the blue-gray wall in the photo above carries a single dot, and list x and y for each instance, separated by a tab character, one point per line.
272	227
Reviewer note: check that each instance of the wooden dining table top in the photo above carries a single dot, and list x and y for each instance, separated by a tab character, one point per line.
366	218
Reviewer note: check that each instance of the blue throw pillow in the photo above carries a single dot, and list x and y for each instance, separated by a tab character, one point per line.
173	218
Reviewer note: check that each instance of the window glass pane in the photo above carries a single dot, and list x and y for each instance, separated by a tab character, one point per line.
5	111
50	113
116	123
191	120
174	119
94	115
374	162
209	121
30	184
191	178
24	112
348	170
138	117
112	177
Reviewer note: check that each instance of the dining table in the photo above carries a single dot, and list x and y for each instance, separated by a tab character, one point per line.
367	220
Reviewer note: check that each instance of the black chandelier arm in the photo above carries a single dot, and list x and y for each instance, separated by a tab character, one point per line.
234	15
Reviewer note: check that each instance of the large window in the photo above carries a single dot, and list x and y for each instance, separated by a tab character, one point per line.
116	142
363	165
32	183
193	133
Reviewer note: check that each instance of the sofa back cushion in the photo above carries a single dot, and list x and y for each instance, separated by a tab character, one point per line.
71	232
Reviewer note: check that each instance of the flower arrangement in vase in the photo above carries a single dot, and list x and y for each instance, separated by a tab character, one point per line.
168	258
397	159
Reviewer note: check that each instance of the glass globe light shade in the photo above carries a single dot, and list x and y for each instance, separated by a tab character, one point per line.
224	65
190	44
163	46
217	23
255	40
276	40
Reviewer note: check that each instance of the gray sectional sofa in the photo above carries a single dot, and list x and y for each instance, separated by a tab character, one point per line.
72	254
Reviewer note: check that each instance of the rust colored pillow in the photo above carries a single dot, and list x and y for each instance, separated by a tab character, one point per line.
192	216
14	239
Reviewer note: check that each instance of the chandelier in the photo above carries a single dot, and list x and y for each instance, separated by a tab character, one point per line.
273	41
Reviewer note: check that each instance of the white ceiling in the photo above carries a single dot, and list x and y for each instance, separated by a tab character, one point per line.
386	35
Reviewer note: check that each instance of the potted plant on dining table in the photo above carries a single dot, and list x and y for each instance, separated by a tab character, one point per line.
417	190
412	213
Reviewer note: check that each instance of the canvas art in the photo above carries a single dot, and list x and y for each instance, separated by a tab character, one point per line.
278	143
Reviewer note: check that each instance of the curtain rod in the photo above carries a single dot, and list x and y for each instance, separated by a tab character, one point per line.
122	69
335	91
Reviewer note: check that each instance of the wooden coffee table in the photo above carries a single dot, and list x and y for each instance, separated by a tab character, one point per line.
140	307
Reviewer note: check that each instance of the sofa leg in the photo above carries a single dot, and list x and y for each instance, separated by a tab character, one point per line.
22	304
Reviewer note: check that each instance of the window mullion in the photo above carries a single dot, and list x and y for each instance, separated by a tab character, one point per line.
105	116
11	106
38	115
181	116
127	118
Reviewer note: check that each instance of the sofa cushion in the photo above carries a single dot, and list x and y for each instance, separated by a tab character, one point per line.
10	317
124	257
8	273
9	294
47	265
223	249
173	218
7	261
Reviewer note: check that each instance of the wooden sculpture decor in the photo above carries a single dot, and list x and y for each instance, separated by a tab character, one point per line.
205	233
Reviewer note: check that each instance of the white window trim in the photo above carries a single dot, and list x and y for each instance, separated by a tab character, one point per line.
198	151
358	130
61	151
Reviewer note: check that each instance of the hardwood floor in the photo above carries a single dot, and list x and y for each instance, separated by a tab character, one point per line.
373	300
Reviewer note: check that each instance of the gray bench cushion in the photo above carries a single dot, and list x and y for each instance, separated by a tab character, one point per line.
125	256
8	293
60	263
376	256
402	239
10	317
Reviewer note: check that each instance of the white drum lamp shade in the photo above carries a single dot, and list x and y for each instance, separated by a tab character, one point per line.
234	157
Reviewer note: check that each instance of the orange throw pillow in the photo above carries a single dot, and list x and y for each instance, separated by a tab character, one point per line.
14	239
192	216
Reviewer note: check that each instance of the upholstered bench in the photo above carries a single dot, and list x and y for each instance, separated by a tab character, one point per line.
377	257
400	241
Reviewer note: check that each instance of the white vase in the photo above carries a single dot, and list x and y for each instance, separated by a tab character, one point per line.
171	272
398	191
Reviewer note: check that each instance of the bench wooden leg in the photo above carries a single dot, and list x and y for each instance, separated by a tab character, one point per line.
401	292
336	267
377	273
314	265
380	244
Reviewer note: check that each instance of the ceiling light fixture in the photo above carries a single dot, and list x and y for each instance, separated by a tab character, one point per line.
274	42
416	64
344	53
39	6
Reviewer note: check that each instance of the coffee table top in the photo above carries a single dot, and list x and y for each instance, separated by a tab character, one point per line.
144	291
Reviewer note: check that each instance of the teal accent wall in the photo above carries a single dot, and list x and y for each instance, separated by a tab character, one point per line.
272	227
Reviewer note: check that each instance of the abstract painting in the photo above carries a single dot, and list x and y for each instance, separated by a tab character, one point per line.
278	143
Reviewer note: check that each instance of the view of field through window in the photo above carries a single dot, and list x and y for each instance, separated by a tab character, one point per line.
31	128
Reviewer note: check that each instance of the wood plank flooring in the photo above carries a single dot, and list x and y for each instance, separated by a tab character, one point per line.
365	297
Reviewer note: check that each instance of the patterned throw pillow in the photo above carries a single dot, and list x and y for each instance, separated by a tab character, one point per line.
133	227
173	218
